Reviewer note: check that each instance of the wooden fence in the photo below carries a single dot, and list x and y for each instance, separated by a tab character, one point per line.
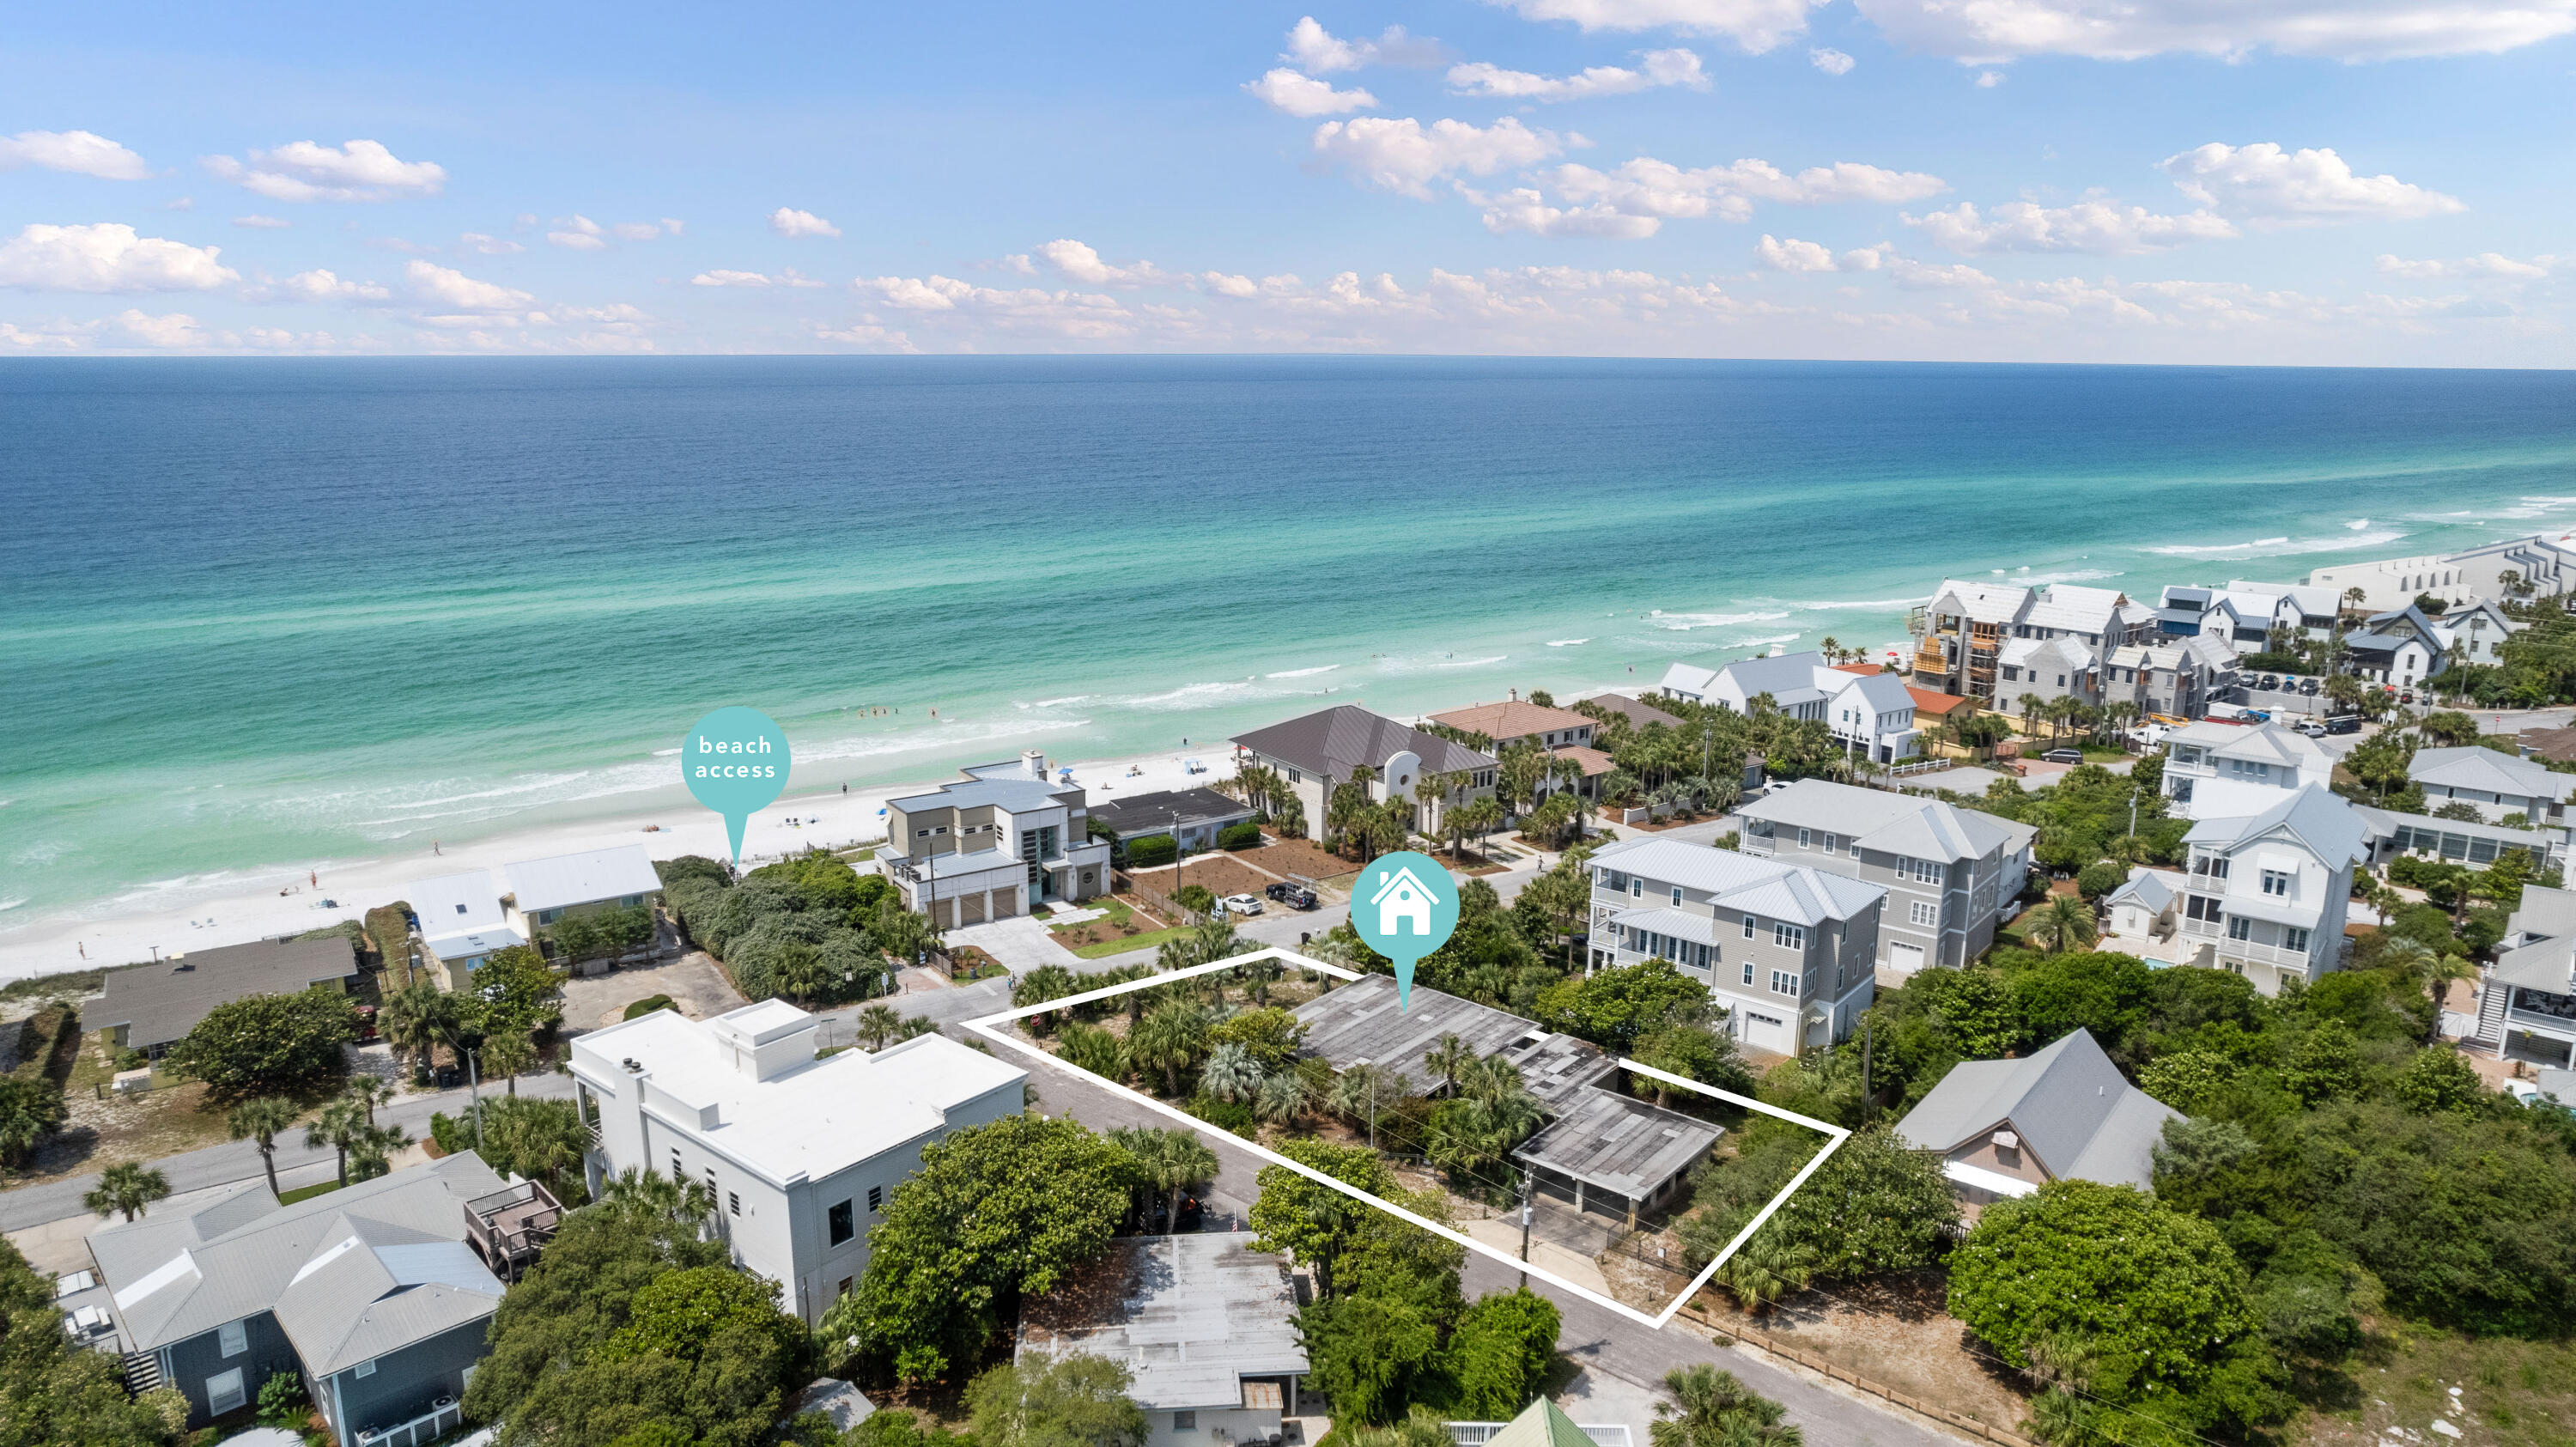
1814	1363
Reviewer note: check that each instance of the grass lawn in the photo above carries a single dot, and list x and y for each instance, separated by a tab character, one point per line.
306	1193
1151	939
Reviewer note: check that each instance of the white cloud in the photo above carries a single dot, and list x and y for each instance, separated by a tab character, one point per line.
578	233
1223	284
174	329
2102	228
2486	264
1316	49
263	223
729	278
1796	255
1655	68
1304	96
1646	187
1831	61
2350	30
446	287
107	257
2272	186
482	245
80	152
1989	79
788	221
319	285
1077	262
1527	210
306	171
1756	25
643	230
1406	156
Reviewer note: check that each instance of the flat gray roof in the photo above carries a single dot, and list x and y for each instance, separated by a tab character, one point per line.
1619	1143
1359	1023
162	1002
1191	1315
1152	813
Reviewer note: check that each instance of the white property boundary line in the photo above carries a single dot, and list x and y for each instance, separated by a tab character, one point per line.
989	1027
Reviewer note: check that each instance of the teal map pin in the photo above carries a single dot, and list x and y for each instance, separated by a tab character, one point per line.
735	761
1404	905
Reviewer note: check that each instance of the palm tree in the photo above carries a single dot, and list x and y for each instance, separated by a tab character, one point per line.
1282	1099
1170	1038
343	1127
417	1017
1231	1073
653	1194
129	1188
1446	1057
506	1055
1716	1410
1358	1090
876	1025
1167	1160
2065	921
1257	974
2031	704
369	1092
1765	1269
261	1119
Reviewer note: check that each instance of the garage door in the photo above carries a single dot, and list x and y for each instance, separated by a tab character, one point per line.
1905	959
1768	1032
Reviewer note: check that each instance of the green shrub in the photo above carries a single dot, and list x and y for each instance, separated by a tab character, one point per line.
1232	1115
1246	835
1151	851
647	1006
282	1402
1197	898
451	1135
2100	877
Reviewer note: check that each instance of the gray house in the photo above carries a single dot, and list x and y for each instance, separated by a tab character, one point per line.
153	1007
2498	784
372	1294
2004	1128
1950	874
1193	817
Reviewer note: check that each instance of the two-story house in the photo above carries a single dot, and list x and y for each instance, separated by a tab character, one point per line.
1319	752
2399	648
2005	1128
1951	874
2477	633
2049	669
1001	842
1870	714
1560	732
2527	1003
2172	677
2498	784
2267	893
1788	950
799	1153
2221	769
374	1294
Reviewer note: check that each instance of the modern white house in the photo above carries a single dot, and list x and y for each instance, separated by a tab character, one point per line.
2005	1128
2527	1003
1003	841
2266	894
2542	565
1206	1326
1789	950
1321	751
461	922
2219	769
538	892
800	1153
1951	875
2497	784
1870	714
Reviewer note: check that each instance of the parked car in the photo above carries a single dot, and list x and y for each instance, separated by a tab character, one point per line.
2063	756
1300	898
2349	723
2313	729
1242	903
2268	683
2308	687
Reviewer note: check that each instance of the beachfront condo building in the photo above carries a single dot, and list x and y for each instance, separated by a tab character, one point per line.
2265	894
2539	566
1319	752
1000	842
1960	635
1951	875
1788	950
798	1153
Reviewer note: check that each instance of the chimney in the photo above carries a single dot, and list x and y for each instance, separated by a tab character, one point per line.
1033	763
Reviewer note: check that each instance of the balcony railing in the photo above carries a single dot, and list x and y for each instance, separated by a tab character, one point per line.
442	1418
2236	949
2556	1027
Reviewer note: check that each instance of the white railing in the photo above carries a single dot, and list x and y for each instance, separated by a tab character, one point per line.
2556	1027
426	1428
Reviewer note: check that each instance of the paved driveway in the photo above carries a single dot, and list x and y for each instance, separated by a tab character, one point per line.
1021	943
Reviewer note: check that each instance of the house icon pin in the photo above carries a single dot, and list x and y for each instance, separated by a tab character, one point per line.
1402	896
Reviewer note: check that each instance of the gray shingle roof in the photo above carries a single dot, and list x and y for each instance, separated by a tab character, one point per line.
1335	740
2068	1102
159	1003
1891	823
1747	882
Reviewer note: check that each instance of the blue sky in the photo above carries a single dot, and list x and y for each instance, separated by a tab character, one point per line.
2262	181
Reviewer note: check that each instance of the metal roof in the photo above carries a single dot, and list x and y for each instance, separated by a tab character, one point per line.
1913	825
2318	819
2489	771
1795	893
1336	740
565	880
375	1287
1190	1315
1145	813
1360	1023
455	903
2154	888
2068	1103
1619	1143
159	1003
1982	602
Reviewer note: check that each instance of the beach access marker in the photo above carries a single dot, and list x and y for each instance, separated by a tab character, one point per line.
1405	906
735	761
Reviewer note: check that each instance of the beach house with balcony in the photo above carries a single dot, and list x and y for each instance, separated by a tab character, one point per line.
2174	677
2219	769
2495	784
1960	635
2265	894
799	1153
1000	842
1870	714
2005	1128
1951	875
1319	752
1789	950
2527	1002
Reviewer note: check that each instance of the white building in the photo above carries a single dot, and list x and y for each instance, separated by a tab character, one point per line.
2527	1003
2542	565
2248	614
2266	893
461	922
2498	784
1321	751
801	1153
542	891
998	843
1871	714
1789	951
1952	875
2213	770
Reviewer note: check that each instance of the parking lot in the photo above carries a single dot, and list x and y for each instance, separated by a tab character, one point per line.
2286	701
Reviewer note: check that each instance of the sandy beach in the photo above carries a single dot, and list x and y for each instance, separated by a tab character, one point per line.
248	905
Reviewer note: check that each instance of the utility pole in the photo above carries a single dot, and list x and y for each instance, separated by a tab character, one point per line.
1525	1229
1865	1099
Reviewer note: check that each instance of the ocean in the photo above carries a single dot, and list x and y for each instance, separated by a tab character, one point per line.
260	612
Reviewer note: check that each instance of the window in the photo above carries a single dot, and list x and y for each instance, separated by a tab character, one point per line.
1296	776
838	1222
1185	1421
224	1392
1805	840
1784	983
1928	871
2213	866
232	1339
2240	928
1748	926
2294	939
366	1368
1677	894
2200	907
733	1203
845	1285
1748	972
2276	882
677	1173
876	1199
1636	889
1789	936
1831	844
1924	912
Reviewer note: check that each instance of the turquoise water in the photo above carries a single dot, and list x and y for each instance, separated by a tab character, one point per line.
264	612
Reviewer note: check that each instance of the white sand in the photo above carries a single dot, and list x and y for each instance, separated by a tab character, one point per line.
247	906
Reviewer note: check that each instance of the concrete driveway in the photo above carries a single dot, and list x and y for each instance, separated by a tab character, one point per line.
693	982
1020	942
